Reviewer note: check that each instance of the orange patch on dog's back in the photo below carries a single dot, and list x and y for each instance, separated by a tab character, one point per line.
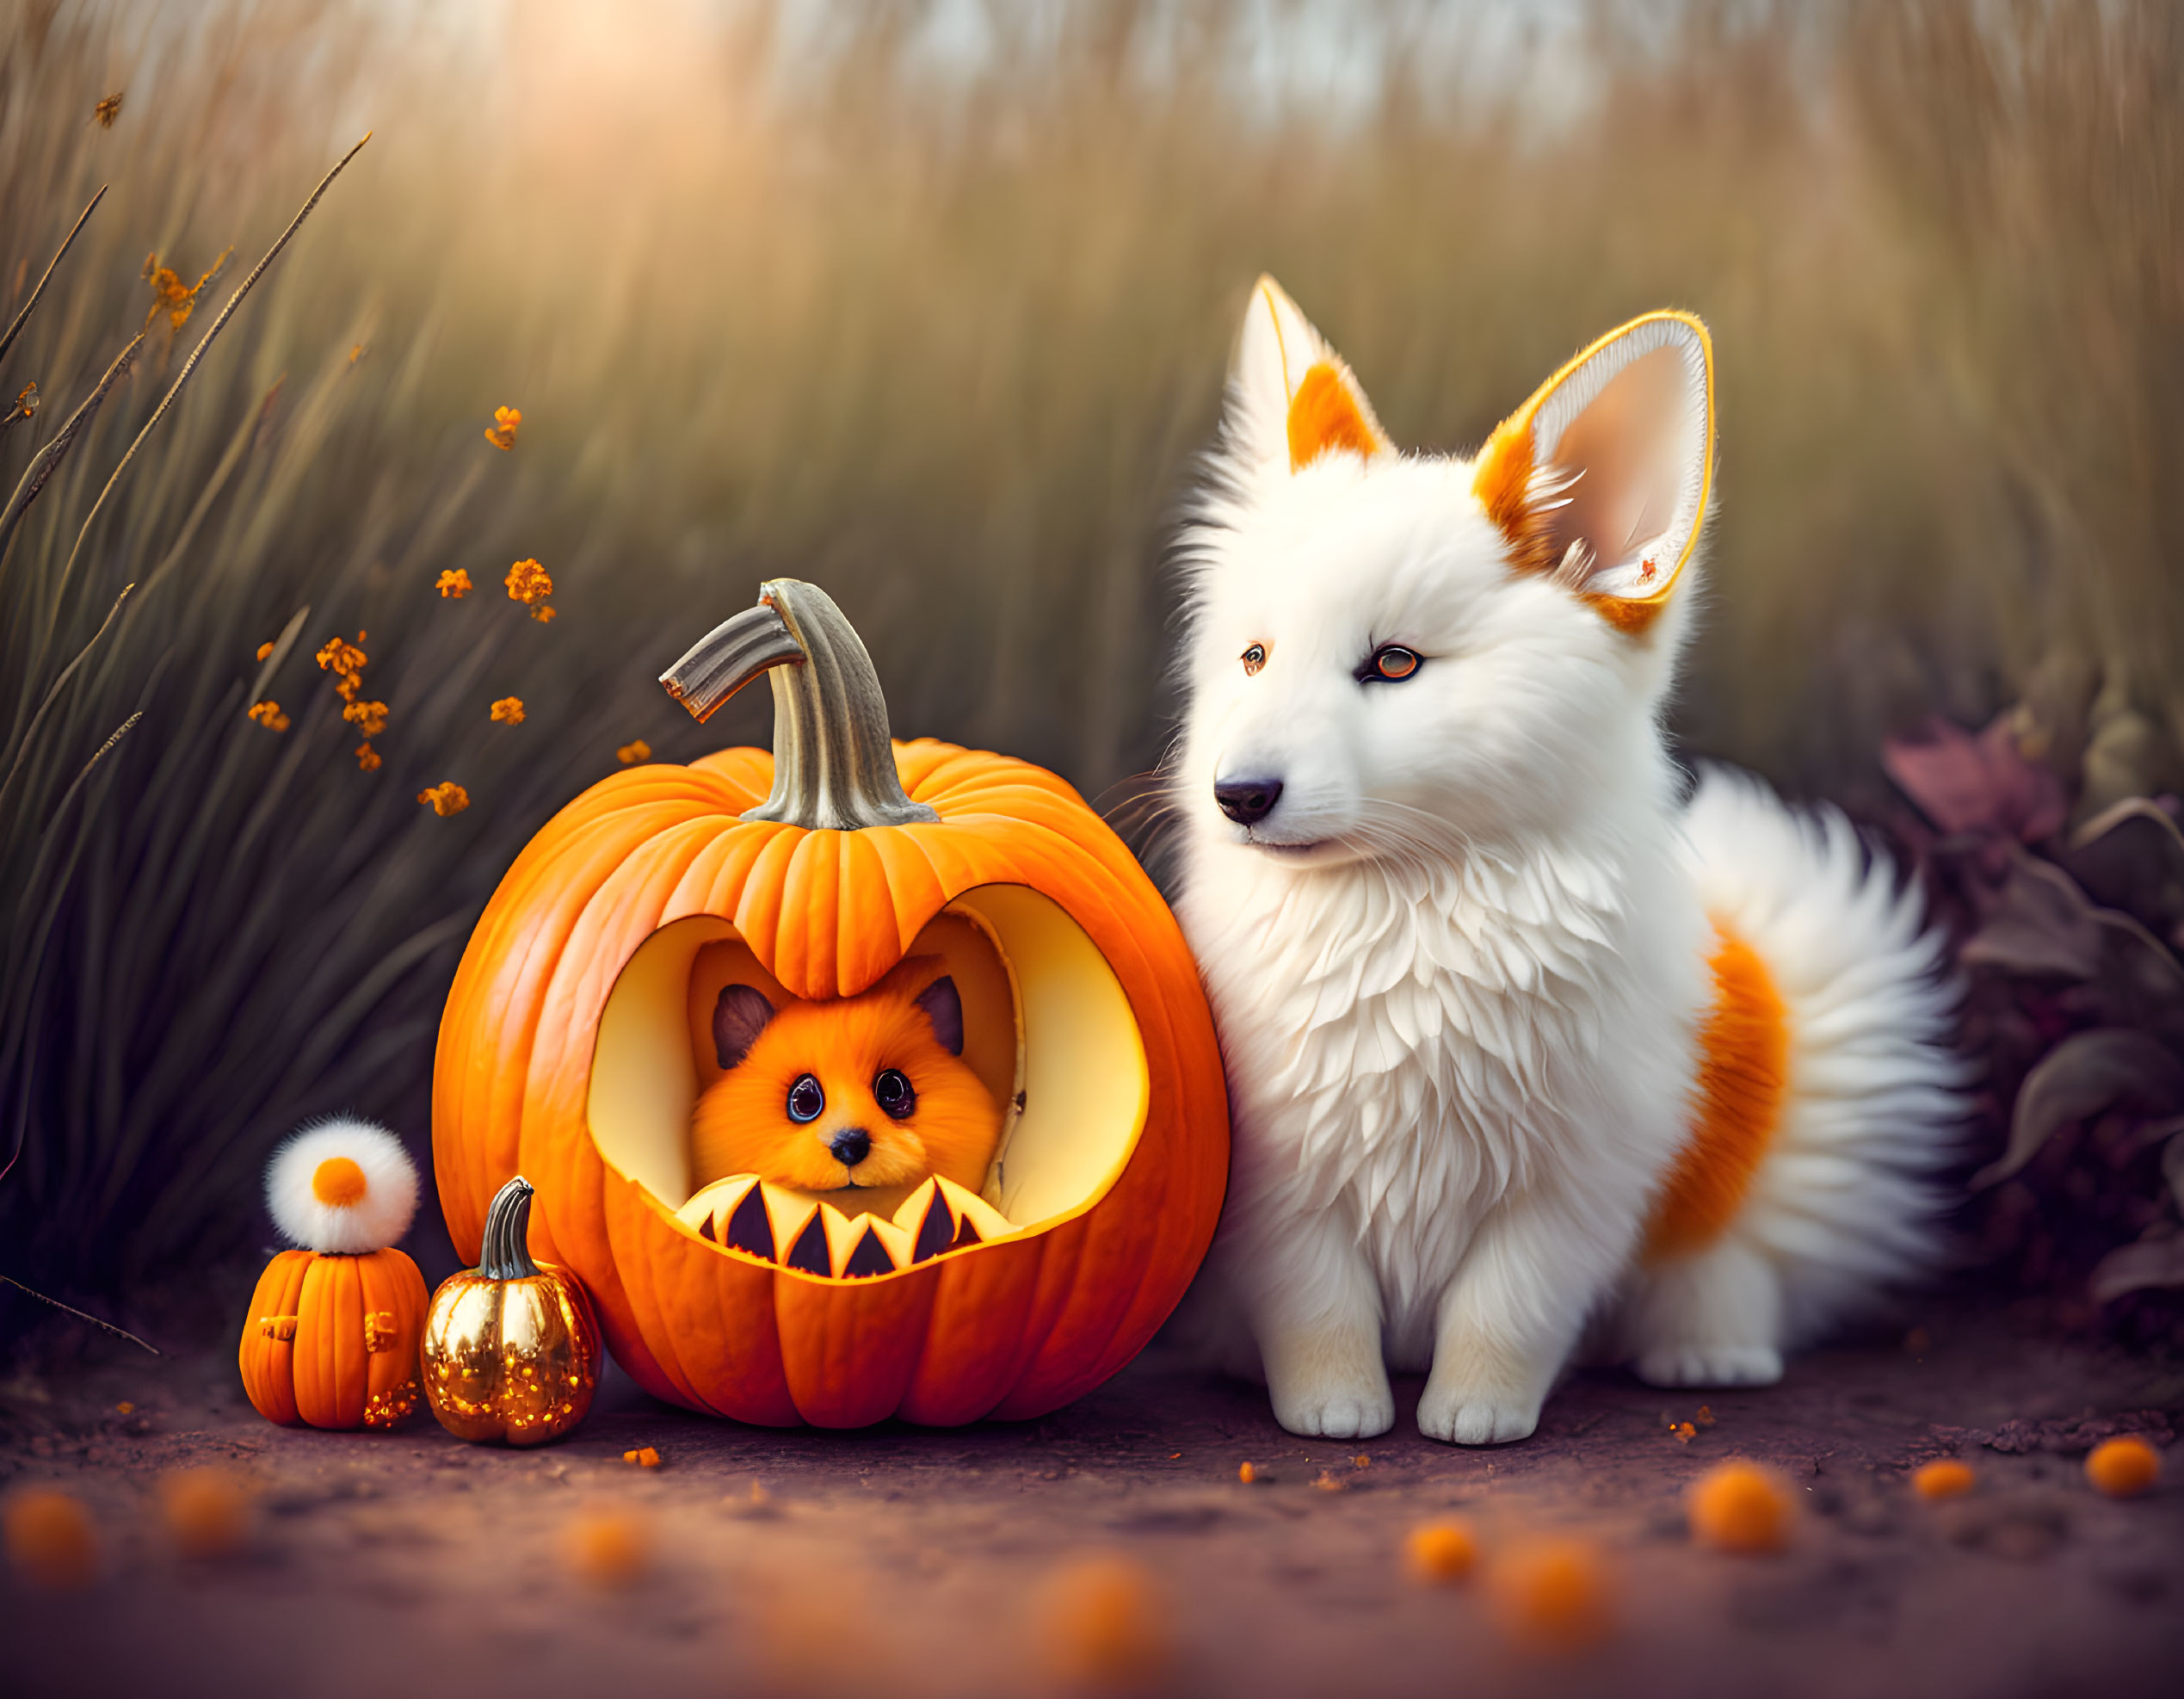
1743	1076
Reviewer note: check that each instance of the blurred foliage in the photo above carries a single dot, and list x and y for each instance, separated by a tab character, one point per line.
791	289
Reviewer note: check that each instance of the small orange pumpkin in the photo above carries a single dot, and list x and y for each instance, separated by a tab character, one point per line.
573	1047
331	1337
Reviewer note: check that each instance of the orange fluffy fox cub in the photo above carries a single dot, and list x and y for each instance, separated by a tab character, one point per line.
864	1097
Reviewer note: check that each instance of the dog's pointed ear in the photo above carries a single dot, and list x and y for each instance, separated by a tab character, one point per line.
739	1017
1290	399
1600	479
943	1006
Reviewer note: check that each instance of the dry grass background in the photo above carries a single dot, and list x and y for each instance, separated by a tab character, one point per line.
791	289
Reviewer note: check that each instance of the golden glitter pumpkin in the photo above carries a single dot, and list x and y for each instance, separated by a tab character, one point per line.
511	1350
580	1034
331	1337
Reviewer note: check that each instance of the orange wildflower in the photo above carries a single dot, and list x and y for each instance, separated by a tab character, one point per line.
528	582
543	613
454	585
367	760
644	1456
264	649
356	352
345	659
509	711
168	294
502	432
107	111
267	713
631	753
368	718
445	799
26	402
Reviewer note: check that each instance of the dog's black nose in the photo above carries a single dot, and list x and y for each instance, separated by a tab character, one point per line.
851	1147
1247	802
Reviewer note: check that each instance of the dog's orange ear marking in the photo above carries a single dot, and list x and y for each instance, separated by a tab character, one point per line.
1744	1076
1290	398
1601	477
1324	415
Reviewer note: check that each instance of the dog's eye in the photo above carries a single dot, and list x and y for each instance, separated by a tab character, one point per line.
895	1093
807	1099
1254	658
1391	662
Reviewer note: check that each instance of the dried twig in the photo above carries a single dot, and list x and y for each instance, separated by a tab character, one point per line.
15	328
198	354
80	1315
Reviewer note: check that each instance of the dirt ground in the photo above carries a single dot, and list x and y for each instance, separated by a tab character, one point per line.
908	1563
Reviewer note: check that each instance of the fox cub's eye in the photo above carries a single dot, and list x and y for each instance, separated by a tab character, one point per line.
895	1093
1254	658
807	1099
1391	661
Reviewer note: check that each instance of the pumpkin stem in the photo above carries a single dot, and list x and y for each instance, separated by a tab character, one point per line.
506	1253
834	761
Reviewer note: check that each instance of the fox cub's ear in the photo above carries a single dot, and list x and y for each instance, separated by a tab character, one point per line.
1290	398
1601	477
738	1017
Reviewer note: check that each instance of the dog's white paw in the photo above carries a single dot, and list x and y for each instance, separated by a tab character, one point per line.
1467	1416
1710	1366
1350	1412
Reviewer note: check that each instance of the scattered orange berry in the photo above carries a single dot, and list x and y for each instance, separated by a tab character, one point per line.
124	1408
50	1539
1552	1594
631	753
609	1550
509	711
264	649
2122	1467
643	1456
267	713
445	799
543	612
367	758
502	432
1738	1506
454	585
1440	1551
356	352
1104	1624
1944	1477
1706	1417
206	1511
1683	1432
1247	1472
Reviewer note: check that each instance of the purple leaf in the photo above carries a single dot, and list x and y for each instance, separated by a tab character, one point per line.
1965	784
2085	1075
2130	1267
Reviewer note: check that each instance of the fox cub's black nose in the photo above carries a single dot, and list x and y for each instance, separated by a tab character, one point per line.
851	1147
1248	801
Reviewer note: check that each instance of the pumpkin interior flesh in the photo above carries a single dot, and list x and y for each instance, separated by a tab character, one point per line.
1047	1027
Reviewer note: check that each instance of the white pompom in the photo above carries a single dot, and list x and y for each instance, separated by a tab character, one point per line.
341	1185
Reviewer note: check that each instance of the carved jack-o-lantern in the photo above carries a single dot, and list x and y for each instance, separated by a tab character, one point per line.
579	1037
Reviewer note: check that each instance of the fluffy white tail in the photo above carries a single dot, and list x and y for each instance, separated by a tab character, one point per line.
1843	1202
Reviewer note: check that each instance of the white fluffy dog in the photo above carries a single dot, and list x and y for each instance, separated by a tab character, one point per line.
1518	1038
